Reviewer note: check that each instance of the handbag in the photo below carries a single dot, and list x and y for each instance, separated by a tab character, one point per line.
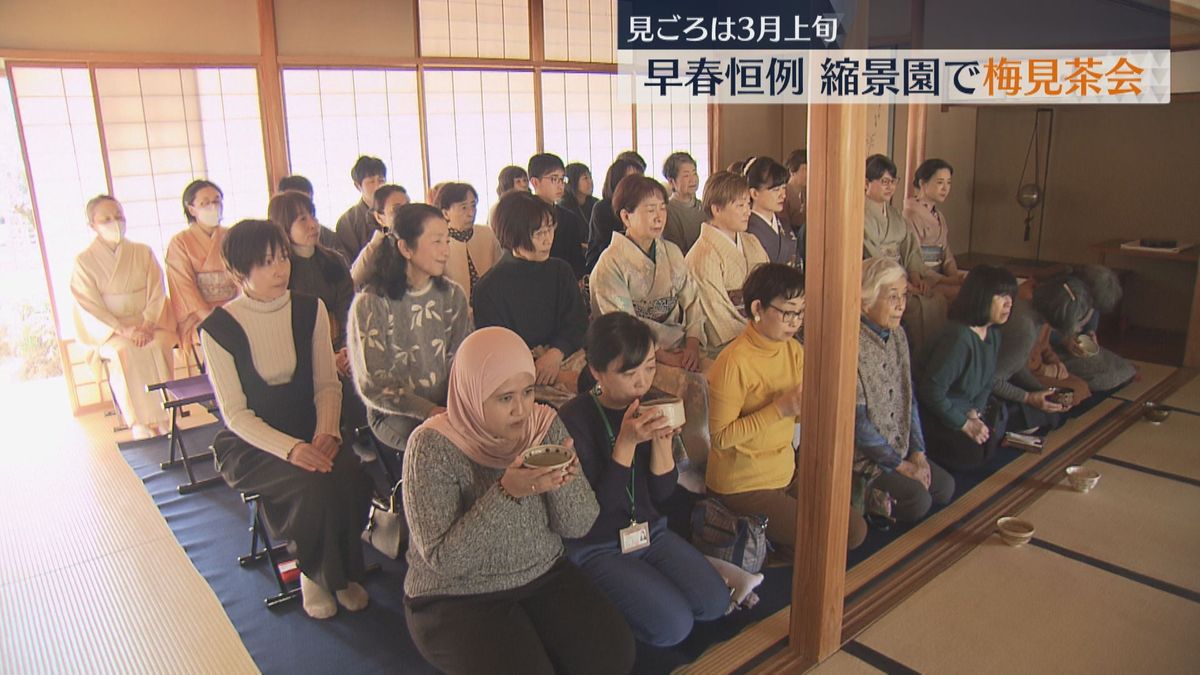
722	534
386	529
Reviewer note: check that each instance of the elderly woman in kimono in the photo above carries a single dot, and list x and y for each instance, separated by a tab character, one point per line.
721	259
886	234
196	275
121	312
642	274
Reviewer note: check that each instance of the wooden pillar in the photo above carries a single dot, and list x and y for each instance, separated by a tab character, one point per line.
833	270
837	150
270	96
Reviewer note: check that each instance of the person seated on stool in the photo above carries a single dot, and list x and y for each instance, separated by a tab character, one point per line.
488	588
755	394
271	363
121	312
955	372
406	325
661	584
323	273
888	445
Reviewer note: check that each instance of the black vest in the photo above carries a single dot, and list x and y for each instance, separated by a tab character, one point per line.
287	407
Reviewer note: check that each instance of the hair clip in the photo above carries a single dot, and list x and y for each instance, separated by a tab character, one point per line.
1067	288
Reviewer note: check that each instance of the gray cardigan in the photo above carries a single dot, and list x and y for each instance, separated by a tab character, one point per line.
467	537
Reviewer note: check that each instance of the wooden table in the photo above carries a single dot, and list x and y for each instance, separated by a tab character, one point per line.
1190	256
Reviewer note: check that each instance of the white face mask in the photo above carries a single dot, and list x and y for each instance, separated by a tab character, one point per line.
111	231
209	216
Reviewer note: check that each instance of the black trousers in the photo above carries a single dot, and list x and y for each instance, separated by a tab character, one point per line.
558	623
322	515
953	449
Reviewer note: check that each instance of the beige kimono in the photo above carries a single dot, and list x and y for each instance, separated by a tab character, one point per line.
933	233
119	288
887	234
480	253
197	278
718	266
659	292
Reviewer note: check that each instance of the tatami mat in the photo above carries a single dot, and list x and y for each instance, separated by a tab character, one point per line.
1173	446
91	578
1151	375
842	663
1118	523
1026	610
1188	396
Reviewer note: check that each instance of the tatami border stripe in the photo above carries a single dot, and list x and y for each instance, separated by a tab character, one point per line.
1147	470
762	657
1165	586
877	659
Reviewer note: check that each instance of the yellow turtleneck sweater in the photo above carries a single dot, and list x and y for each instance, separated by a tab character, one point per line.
751	442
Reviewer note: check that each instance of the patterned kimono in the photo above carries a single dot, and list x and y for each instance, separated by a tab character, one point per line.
116	289
658	292
197	278
718	266
933	233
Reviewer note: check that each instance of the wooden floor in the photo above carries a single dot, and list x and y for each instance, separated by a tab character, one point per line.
92	580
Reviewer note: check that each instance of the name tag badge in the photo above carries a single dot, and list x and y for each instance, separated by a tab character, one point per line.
635	537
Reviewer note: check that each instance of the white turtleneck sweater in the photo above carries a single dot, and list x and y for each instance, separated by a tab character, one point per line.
268	327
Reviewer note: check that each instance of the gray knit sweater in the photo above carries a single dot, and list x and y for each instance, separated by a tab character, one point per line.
467	537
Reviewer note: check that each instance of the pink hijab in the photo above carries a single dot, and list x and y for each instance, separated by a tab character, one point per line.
485	359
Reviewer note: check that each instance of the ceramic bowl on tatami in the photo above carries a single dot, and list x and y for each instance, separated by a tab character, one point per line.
1155	413
1015	531
1082	479
547	457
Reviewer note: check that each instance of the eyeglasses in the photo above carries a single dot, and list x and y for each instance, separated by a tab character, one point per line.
544	232
554	179
789	317
888	182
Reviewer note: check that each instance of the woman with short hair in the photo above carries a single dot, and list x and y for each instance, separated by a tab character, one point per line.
889	448
121	312
473	248
534	295
768	191
270	360
721	259
642	274
962	423
626	455
755	394
197	279
488	588
406	325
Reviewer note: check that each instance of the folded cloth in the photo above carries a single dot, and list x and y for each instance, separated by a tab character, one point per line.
741	583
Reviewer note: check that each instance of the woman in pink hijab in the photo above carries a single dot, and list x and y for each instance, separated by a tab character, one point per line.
488	588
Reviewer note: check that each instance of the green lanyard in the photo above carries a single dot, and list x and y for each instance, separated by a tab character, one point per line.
612	444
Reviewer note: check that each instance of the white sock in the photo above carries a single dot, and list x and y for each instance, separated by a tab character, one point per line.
353	597
318	602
